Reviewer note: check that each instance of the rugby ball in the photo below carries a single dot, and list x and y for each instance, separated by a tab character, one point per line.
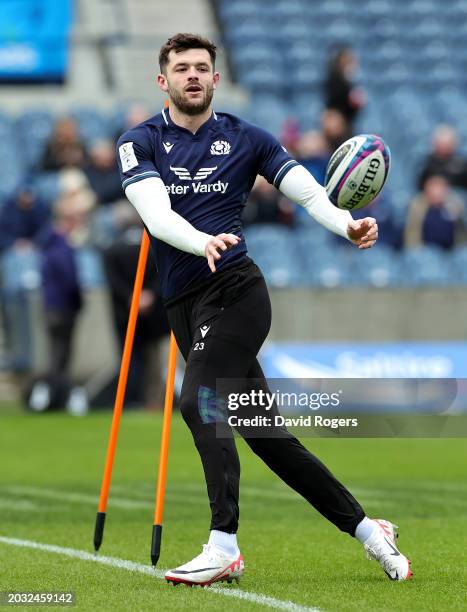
357	171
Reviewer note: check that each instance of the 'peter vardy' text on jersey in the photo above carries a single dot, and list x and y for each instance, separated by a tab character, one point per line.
208	176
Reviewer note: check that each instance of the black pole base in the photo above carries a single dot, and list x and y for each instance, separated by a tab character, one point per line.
156	544
99	530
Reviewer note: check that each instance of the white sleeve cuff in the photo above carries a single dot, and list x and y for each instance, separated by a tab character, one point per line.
301	187
150	198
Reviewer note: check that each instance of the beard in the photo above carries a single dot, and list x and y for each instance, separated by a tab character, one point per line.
191	107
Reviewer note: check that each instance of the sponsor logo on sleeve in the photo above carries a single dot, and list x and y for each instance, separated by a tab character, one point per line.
127	156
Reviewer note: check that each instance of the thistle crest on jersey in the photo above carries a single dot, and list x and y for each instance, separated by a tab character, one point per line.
220	147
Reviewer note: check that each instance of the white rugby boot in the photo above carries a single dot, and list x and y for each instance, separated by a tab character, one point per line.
212	565
381	546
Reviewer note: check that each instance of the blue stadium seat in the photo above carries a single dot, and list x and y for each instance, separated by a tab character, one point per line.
333	8
247	55
384	29
426	30
91	123
34	128
425	266
323	260
458	8
232	12
378	9
459	266
331	270
269	115
6	127
248	32
90	268
292	31
20	270
311	237
425	8
394	75
103	226
46	185
306	77
10	182
36	124
286	10
281	272
379	267
389	52
273	248
441	75
305	52
338	31
13	166
264	233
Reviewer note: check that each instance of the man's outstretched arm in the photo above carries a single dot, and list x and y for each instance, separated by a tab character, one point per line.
301	187
152	202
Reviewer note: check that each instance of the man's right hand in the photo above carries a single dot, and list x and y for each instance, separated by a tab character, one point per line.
222	242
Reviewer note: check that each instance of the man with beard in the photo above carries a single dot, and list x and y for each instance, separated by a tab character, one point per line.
188	172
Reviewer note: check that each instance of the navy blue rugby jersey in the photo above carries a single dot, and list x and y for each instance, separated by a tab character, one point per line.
208	177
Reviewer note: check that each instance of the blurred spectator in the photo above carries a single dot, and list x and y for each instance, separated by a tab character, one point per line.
74	188
334	128
290	136
65	148
313	154
62	300
102	173
435	216
444	160
266	205
145	381
134	115
22	217
340	91
390	232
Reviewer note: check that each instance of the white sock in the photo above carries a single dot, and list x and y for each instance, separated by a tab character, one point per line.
365	529
227	542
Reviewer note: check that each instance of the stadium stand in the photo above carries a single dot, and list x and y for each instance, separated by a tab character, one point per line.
273	59
132	53
415	70
414	76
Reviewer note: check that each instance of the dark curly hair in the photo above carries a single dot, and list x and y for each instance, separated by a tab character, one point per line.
183	42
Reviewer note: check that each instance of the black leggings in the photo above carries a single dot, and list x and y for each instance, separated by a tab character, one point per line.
219	330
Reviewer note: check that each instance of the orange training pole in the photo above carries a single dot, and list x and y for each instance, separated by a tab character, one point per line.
121	388
164	453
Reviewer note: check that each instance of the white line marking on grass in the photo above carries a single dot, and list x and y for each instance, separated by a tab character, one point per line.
200	492
247	493
285	495
85	498
128	504
367	497
244	490
19	504
133	566
391	495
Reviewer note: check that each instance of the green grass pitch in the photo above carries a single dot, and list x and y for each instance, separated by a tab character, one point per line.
51	468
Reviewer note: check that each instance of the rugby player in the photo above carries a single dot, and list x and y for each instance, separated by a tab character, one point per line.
188	172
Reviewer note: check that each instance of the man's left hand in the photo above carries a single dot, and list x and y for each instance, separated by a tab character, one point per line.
363	232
